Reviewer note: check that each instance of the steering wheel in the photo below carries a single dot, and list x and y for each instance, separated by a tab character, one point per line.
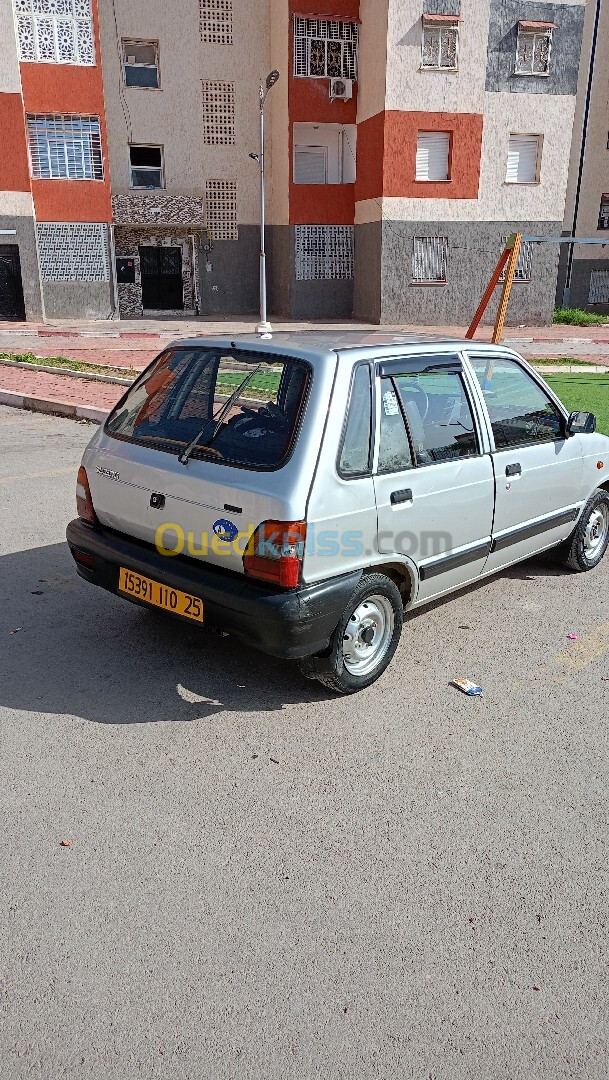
423	407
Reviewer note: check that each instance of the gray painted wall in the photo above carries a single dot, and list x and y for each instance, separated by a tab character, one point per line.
231	286
78	299
368	261
580	285
473	251
566	47
25	239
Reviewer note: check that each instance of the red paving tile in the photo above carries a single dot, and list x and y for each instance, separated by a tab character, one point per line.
60	387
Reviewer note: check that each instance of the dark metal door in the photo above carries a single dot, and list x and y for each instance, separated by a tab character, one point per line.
161	271
11	288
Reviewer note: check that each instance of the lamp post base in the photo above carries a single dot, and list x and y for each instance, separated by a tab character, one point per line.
264	328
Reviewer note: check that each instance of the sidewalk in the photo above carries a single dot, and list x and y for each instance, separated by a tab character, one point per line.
134	343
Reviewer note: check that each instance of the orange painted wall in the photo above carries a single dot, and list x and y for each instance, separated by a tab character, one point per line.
309	102
14	167
67	88
387	148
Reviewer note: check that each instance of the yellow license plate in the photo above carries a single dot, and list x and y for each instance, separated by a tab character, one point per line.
161	596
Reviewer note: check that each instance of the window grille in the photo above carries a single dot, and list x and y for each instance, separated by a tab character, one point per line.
216	21
221	206
55	31
429	259
533	51
433	155
65	147
524	159
603	213
440	46
219	113
325	49
524	266
324	252
599	287
73	252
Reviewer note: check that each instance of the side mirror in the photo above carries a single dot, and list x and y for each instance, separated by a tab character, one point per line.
581	423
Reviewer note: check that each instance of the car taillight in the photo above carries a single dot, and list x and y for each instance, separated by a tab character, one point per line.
275	552
84	502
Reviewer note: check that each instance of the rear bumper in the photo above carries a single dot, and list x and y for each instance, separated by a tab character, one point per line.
286	623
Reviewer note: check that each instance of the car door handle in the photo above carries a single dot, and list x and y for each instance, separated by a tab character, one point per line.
401	496
514	470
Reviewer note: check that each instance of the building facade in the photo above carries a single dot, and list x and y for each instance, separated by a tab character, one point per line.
54	184
587	213
405	140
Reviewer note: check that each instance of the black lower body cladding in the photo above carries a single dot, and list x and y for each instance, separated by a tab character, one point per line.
287	623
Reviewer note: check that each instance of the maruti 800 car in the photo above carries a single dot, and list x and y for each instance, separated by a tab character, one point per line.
301	491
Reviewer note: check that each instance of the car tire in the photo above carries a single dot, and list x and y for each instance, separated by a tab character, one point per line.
588	544
365	640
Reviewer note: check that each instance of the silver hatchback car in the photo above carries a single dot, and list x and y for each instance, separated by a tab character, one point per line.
302	490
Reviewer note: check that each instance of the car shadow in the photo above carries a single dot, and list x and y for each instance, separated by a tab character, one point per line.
70	648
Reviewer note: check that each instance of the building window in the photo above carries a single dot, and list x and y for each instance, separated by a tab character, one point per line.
429	259
599	287
76	252
433	155
141	64
219	113
216	21
533	49
440	42
603	214
146	166
221	208
325	49
324	252
524	159
55	31
65	147
324	153
524	266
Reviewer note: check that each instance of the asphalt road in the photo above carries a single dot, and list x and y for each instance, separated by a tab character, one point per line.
267	882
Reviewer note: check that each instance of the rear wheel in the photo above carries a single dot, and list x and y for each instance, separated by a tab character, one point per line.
588	544
365	639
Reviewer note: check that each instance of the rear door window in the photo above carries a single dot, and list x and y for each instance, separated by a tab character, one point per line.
425	419
186	395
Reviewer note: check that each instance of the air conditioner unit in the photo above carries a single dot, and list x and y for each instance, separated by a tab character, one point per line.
341	89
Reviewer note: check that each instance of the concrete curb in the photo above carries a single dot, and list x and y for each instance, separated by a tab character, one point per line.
49	370
54	406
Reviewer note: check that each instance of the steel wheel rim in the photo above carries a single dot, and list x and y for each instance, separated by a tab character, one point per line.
367	635
597	527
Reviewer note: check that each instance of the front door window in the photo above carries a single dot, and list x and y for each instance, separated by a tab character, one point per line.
520	411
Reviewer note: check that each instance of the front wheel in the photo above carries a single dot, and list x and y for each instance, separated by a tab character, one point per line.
365	639
588	544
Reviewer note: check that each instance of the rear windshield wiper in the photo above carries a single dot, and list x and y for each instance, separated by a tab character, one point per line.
217	420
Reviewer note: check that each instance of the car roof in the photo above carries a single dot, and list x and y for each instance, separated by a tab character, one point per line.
319	343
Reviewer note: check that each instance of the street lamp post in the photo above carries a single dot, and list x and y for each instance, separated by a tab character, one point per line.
264	327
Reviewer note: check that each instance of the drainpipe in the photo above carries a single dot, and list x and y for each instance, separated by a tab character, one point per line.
566	296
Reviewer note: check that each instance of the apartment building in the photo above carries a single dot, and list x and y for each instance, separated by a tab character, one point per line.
587	212
55	206
405	140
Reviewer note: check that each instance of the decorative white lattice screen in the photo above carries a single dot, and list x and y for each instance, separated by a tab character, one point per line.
324	48
55	31
429	258
324	252
599	287
219	113
221	207
75	252
524	266
216	21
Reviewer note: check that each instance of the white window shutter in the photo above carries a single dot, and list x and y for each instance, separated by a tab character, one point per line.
310	165
433	150
523	153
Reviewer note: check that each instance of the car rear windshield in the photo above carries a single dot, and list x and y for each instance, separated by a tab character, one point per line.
181	405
